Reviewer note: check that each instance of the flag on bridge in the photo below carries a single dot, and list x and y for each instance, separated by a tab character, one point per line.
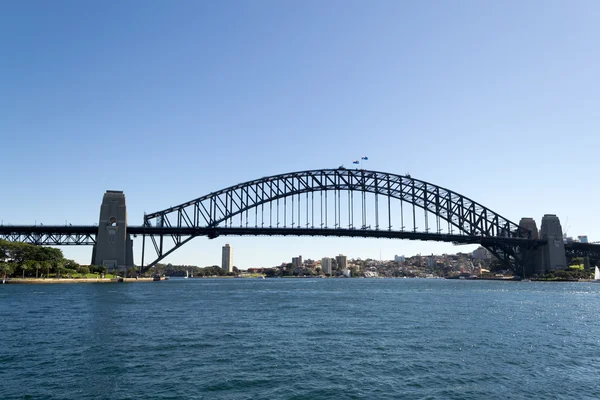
364	158
355	162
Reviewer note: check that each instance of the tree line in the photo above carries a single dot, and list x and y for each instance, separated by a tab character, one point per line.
180	270
27	260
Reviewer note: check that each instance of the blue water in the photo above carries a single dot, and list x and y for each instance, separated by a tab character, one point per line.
301	339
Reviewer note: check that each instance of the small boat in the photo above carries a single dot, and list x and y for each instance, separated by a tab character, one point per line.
156	277
597	275
187	275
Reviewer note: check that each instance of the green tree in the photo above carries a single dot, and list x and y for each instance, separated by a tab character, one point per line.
3	250
29	266
46	265
58	267
7	268
70	264
102	269
577	261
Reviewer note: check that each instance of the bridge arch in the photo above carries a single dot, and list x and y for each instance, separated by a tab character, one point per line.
219	209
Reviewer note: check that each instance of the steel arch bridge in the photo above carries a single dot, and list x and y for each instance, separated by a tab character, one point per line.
337	202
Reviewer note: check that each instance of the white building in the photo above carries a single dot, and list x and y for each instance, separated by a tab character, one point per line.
326	265
227	258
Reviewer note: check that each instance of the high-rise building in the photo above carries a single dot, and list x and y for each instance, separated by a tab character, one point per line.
399	258
326	265
227	259
430	261
297	262
342	261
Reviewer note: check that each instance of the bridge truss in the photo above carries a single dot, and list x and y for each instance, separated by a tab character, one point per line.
577	249
52	235
339	202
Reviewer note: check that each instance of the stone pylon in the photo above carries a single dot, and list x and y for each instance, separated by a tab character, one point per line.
553	253
114	247
531	257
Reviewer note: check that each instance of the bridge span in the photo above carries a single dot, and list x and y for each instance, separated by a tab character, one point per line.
329	202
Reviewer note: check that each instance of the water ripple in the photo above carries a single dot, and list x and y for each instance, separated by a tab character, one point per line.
301	339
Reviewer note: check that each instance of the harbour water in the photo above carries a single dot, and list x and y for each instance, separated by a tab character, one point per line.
301	339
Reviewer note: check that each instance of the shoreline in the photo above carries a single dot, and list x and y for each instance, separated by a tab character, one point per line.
45	281
34	281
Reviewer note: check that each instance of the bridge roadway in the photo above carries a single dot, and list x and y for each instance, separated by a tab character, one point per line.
68	235
61	235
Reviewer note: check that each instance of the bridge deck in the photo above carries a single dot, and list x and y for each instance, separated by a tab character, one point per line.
91	230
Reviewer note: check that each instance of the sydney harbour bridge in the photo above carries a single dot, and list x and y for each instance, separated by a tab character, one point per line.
326	202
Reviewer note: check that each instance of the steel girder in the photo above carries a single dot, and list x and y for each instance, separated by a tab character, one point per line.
577	249
50	235
220	208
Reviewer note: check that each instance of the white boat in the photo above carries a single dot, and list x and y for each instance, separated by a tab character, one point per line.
597	275
187	275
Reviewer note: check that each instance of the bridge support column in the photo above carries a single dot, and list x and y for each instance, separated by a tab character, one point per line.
114	247
553	253
531	258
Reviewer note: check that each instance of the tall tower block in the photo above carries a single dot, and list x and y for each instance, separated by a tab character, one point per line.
227	258
553	253
114	247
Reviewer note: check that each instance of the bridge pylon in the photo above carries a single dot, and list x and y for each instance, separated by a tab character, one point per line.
114	247
531	257
553	253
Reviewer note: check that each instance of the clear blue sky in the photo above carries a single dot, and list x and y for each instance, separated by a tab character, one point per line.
168	101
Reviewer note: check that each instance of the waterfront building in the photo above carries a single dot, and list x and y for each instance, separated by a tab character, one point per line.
430	261
297	262
227	258
418	260
342	261
326	265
